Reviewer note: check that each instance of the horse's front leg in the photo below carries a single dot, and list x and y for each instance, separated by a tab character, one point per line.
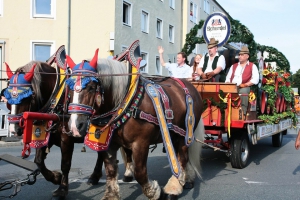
150	188
112	191
67	148
39	160
97	173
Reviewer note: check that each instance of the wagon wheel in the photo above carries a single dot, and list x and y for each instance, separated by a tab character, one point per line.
277	139
240	149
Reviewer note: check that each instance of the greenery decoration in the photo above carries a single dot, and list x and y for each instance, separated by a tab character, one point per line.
275	56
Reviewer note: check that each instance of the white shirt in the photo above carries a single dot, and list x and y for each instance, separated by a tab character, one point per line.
237	78
176	71
221	63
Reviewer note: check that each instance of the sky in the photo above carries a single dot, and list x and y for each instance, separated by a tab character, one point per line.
273	23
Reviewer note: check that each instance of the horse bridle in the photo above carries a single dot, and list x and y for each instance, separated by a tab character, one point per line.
77	108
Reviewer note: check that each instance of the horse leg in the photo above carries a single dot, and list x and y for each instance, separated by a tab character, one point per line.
97	173
150	188
174	187
128	163
39	160
112	191
66	147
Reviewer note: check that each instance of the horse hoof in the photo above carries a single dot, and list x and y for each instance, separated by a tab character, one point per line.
164	196
127	179
188	185
91	181
58	198
60	193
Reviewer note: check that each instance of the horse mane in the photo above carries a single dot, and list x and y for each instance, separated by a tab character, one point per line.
118	84
37	78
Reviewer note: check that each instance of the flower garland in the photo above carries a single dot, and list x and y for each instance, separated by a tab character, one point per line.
277	81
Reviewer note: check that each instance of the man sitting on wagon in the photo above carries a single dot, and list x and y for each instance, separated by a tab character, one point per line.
212	65
244	74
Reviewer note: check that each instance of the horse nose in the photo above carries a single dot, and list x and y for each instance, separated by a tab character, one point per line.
82	128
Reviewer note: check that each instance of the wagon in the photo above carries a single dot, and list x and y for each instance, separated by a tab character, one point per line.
223	115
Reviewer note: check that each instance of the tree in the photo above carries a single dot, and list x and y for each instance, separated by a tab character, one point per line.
295	80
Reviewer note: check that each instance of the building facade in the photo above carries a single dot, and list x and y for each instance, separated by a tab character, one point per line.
34	29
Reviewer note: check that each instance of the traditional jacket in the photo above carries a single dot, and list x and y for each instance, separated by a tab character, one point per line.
214	66
247	73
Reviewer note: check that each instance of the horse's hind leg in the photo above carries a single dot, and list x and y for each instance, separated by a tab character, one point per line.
97	173
129	168
112	191
174	187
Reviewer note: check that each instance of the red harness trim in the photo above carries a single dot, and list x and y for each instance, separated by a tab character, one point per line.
80	109
14	119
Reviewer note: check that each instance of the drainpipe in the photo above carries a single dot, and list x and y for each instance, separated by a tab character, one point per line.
69	27
2	42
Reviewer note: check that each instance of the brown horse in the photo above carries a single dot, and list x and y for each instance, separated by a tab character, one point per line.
98	88
34	94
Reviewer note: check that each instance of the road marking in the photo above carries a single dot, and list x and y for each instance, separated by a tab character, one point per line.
256	182
84	180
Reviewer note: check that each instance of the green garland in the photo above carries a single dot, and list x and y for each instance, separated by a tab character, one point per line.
275	56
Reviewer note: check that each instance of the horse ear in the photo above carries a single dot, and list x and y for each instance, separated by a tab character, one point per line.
70	62
8	71
93	62
29	75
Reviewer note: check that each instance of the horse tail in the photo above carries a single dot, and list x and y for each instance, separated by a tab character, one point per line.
194	151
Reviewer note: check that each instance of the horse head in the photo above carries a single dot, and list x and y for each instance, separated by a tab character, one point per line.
94	90
83	84
24	93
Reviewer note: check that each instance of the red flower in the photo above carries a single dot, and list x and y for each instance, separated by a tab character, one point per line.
280	80
286	75
287	84
264	81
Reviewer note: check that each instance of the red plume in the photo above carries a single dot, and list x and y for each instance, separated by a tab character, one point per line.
29	75
8	71
93	62
70	62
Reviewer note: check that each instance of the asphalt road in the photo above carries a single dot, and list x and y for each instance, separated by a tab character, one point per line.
272	173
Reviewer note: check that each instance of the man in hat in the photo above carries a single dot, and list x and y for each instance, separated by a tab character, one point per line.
212	65
244	74
179	69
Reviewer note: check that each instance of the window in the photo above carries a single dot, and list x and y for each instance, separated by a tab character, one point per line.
42	51
145	22
158	67
171	33
126	13
193	12
172	4
43	8
159	28
1	8
145	58
195	16
206	7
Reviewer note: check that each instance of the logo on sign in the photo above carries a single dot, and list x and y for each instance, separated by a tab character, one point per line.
217	26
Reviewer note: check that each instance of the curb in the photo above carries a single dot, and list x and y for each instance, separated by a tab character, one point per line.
9	144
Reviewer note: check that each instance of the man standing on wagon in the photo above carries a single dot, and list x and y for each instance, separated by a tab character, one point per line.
244	74
179	69
212	65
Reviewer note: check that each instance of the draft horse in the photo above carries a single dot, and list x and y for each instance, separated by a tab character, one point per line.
30	89
98	88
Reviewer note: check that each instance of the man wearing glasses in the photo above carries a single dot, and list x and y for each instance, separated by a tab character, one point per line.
244	74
